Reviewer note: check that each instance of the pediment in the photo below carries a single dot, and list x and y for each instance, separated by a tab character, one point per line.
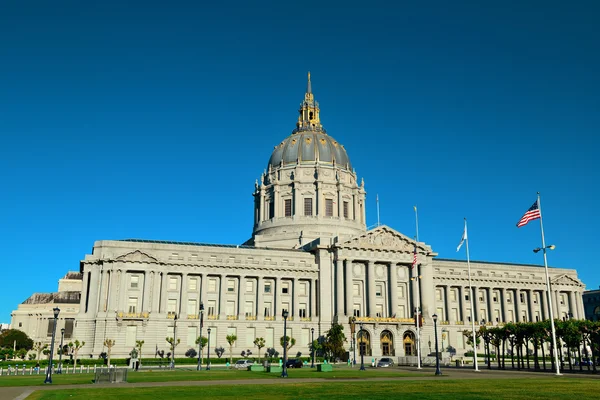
136	256
384	238
565	280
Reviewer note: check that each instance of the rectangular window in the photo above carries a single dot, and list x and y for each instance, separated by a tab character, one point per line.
192	308
483	314
481	297
173	283
130	336
562	299
469	314
212	307
453	294
249	286
356	289
50	327
132	304
379	310
438	294
378	290
440	313
308	207
69	323
287	205
508	298
135	280
535	298
193	284
328	208
455	314
495	297
305	337
285	306
466	293
250	335
285	287
357	310
497	315
302	291
270	337
232	331
522	297
271	209
268	310
401	291
192	334
267	287
230	308
511	316
537	316
249	309
345	209
230	285
172	306
302	310
212	285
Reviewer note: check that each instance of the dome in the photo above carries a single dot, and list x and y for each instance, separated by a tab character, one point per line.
310	147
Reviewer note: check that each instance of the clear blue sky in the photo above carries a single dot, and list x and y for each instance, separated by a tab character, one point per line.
153	119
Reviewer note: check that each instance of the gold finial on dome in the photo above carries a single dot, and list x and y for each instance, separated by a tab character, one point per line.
309	110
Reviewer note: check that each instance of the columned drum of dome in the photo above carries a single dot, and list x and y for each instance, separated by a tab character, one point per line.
309	189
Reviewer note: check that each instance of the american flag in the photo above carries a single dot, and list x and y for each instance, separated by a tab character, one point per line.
415	256
531	214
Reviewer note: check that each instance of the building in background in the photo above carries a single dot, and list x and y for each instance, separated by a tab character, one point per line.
311	254
591	302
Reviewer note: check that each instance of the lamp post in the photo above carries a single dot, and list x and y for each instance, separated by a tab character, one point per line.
284	314
174	341
208	355
354	340
437	357
362	351
200	341
312	344
60	351
48	379
418	312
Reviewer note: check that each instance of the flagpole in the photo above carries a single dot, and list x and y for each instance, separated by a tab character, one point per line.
377	201
471	300
418	303
539	203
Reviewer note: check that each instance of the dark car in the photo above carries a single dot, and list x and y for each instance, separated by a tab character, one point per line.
294	363
385	362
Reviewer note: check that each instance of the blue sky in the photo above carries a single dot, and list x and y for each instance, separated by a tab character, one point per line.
153	119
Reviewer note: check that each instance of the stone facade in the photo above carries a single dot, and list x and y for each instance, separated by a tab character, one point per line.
591	302
311	254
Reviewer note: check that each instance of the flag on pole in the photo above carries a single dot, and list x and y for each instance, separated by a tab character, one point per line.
532	214
462	240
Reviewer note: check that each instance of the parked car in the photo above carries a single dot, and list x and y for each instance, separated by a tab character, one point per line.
385	362
243	364
294	363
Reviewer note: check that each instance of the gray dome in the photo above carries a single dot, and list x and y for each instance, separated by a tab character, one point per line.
308	147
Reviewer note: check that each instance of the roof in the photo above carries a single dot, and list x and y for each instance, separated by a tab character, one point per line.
230	246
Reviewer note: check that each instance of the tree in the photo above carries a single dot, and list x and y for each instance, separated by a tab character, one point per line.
15	338
191	353
138	345
202	341
333	345
260	343
173	344
74	348
38	347
219	351
231	340
109	343
289	340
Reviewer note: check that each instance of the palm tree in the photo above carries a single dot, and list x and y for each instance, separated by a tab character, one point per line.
231	340
109	343
260	343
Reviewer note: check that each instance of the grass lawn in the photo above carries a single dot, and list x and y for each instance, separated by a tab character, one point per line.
528	388
213	374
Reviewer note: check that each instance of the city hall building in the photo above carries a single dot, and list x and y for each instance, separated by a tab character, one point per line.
310	254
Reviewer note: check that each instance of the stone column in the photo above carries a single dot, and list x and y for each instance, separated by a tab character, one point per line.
371	286
349	289
94	285
277	298
260	293
504	305
222	296
579	298
529	306
446	301
517	298
475	295
261	206
339	298
296	299
572	308
427	293
183	296
544	304
123	291
155	292
462	304
163	292
203	289
557	314
84	300
340	202
240	297
313	299
146	294
298	202
393	289
490	311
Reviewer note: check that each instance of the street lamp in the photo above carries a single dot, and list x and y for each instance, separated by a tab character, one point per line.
362	351
354	340
437	357
312	345
200	341
60	351
284	314
418	312
174	341
208	355
550	247
48	379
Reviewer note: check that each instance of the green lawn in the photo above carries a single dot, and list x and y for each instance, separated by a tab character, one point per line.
528	388
214	374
